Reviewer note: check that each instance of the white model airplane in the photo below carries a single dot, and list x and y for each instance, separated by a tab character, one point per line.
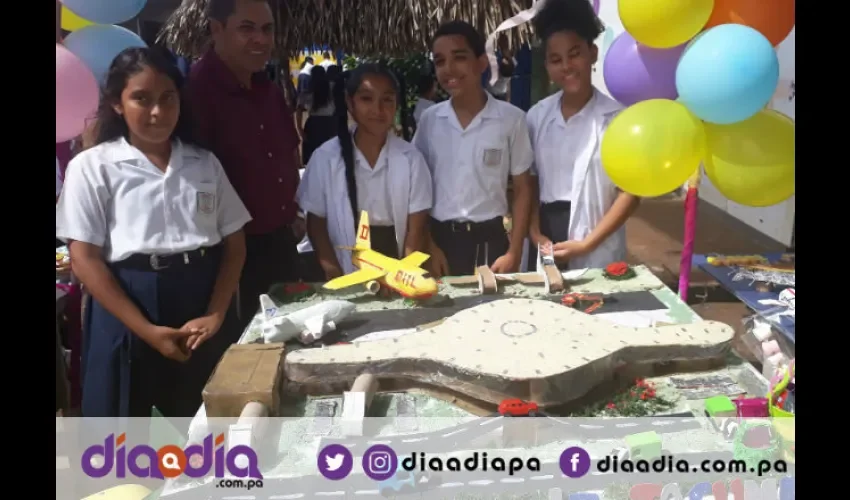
308	324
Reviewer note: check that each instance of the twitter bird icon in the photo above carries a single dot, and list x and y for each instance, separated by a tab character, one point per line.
335	462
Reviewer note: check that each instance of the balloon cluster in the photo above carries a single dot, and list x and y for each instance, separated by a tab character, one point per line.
697	76
83	59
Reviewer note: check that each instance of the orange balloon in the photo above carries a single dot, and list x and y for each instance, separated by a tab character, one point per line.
772	18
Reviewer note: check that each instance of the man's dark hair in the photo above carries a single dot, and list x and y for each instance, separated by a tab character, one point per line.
308	59
326	55
467	31
567	15
220	10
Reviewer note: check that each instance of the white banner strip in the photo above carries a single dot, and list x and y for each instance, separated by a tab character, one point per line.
490	47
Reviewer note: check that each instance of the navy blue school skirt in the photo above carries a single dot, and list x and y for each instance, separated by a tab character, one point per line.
122	376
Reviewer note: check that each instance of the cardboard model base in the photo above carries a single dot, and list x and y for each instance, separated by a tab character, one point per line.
513	348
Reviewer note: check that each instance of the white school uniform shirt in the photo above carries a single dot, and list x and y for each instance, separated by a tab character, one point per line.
568	164
115	198
421	105
398	186
470	167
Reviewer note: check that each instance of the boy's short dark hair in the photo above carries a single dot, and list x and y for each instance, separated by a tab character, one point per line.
467	31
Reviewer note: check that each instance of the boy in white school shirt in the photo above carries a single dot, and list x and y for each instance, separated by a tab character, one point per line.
580	210
472	144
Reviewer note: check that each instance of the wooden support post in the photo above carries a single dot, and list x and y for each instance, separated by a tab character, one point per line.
355	403
487	283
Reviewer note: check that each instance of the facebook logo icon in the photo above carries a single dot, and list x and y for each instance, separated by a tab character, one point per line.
575	462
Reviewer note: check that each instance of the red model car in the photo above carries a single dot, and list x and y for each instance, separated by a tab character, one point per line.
517	408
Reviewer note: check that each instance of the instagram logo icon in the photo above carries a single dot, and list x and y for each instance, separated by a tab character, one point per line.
380	462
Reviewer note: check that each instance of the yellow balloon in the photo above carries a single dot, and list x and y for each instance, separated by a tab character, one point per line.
663	24
652	147
73	22
752	162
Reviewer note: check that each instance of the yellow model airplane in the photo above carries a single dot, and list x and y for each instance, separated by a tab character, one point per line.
405	276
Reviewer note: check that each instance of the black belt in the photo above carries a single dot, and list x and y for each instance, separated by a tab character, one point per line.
458	226
556	206
152	262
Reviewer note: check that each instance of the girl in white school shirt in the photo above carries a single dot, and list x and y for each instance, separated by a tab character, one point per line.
368	169
581	211
155	234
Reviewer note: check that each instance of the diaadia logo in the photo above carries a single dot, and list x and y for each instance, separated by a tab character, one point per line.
196	461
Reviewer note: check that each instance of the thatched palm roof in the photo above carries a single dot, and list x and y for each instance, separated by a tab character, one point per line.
363	27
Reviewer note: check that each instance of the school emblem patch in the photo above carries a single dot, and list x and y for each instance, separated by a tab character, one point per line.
492	157
206	203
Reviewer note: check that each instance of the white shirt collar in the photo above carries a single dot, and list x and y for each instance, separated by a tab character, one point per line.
490	110
383	156
122	150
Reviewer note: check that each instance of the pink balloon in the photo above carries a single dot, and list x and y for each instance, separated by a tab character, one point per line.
77	95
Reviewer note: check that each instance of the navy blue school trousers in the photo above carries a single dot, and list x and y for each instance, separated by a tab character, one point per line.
122	376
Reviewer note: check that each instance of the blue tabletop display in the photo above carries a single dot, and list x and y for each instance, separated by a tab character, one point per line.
742	283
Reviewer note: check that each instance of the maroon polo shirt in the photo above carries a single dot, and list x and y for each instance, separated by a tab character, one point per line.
252	132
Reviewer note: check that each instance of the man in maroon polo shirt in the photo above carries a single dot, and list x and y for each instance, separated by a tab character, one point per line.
243	118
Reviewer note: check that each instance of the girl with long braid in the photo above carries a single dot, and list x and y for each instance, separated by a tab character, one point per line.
366	168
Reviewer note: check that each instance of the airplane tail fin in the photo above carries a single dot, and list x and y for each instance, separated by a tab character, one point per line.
268	306
364	240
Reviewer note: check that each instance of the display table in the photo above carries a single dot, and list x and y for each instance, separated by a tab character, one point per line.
294	474
776	317
745	291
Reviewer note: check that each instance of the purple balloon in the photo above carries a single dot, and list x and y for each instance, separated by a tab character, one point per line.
634	72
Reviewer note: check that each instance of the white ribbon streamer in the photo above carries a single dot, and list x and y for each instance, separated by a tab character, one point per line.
490	47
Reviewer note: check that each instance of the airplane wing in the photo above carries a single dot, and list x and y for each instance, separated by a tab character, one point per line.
415	259
355	278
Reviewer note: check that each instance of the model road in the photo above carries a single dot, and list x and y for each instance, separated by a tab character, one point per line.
457	483
548	429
